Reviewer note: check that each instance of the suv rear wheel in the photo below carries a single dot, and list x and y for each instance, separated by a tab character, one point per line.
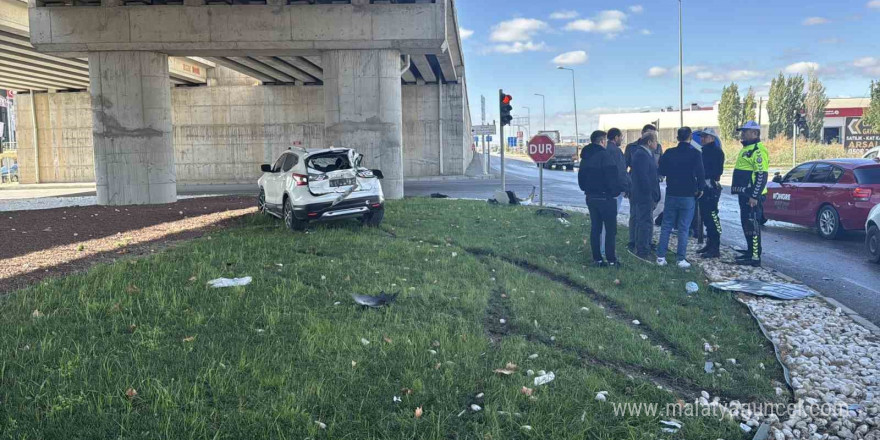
828	223
373	218
261	201
290	219
872	243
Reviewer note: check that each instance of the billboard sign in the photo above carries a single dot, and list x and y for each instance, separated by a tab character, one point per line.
860	136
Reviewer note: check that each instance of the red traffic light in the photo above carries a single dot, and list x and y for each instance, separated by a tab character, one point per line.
506	99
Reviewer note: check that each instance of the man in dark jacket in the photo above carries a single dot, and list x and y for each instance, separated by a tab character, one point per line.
658	150
615	137
713	164
685	179
600	181
644	194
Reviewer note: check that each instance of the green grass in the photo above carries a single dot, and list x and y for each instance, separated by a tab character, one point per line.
270	359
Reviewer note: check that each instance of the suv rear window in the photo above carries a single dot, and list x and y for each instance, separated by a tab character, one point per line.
868	175
328	162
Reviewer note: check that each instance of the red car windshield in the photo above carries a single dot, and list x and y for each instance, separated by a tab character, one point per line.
868	176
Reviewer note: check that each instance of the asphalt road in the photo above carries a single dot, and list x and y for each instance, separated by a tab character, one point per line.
838	269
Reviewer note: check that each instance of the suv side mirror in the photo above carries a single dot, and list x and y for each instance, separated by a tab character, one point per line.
266	168
777	178
378	174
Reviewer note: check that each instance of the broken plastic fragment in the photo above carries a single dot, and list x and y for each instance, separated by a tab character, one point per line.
636	322
364	341
691	287
671	426
708	367
475	407
544	379
320	425
374	301
508	369
533	356
396	399
229	282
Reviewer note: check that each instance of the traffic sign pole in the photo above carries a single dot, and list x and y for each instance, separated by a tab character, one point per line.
541	148
540	185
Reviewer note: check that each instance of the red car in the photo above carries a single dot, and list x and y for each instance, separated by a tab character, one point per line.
833	195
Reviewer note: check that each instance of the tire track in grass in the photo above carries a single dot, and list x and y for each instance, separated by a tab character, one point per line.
498	308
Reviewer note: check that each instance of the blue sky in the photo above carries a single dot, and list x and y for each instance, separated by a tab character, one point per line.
625	54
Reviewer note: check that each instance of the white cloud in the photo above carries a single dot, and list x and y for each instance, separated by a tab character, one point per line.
609	23
705	75
571	58
646	32
518	29
519	47
875	4
866	62
636	9
564	15
813	21
657	71
801	68
690	70
465	33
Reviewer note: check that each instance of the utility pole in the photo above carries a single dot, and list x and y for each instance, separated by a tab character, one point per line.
680	67
577	134
543	109
760	105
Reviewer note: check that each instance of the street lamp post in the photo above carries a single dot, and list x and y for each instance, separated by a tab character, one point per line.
528	124
680	68
577	134
543	109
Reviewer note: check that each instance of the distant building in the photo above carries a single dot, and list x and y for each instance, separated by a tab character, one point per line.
836	114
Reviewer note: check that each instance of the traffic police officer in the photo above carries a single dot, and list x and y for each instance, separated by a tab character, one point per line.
750	182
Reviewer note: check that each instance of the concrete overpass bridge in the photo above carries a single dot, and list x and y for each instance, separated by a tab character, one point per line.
385	77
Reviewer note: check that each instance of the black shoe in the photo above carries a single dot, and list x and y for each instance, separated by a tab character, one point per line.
600	263
614	264
743	251
711	253
705	249
745	256
748	262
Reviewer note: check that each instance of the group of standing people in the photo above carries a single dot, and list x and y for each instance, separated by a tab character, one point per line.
692	171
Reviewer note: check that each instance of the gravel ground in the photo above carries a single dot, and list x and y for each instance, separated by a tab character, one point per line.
834	362
53	242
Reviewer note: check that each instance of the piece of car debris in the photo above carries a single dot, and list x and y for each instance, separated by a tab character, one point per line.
439	196
508	369
552	212
709	367
382	299
229	282
544	379
564	221
670	426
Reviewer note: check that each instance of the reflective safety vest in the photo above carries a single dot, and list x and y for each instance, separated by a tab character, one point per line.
751	171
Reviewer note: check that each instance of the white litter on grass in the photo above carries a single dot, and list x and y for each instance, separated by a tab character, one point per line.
396	399
433	352
585	309
530	373
337	303
564	221
601	396
502	320
731	361
480	396
671	426
526	427
229	282
636	322
533	356
707	347
321	425
475	407
461	413
544	379
745	428
364	341
644	337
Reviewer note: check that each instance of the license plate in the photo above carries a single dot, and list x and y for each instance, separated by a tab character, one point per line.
341	182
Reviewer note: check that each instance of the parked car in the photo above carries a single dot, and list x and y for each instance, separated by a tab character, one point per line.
873	153
9	174
872	236
305	186
832	195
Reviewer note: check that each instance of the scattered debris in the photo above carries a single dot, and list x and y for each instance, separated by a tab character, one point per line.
692	287
502	321
616	282
37	314
644	337
636	322
585	309
508	369
365	341
564	221
671	426
131	393
601	396
396	399
461	413
544	379
731	361
526	428
786	291
189	339
374	301
418	412
709	367
533	356
433	352
481	395
707	347
475	407
229	282
526	390
552	212
745	428
530	373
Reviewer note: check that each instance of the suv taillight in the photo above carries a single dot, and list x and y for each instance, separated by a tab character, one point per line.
862	194
300	179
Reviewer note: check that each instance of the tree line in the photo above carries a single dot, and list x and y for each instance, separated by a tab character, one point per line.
792	99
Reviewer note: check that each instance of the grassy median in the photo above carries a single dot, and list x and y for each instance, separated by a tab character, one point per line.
143	349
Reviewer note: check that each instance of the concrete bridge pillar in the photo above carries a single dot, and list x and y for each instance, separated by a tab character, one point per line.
363	110
131	114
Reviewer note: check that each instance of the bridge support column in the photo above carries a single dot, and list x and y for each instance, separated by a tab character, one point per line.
363	110
131	115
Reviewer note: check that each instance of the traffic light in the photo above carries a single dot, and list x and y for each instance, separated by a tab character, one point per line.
505	109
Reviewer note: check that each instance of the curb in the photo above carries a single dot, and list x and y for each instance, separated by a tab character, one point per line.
33	186
448	178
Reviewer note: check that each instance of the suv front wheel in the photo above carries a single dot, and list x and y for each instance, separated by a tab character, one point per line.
290	220
872	242
373	218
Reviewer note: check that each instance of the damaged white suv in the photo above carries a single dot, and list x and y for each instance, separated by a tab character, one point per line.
303	186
